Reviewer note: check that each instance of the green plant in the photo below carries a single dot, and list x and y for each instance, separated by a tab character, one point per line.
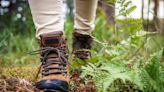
117	70
121	59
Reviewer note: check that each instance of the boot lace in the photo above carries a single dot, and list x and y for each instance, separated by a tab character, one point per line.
62	62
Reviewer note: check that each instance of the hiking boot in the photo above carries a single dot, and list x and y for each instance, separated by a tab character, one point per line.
81	46
54	68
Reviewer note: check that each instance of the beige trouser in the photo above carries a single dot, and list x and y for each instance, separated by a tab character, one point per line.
48	15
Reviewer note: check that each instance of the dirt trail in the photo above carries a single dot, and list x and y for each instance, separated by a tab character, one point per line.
16	85
20	79
21	85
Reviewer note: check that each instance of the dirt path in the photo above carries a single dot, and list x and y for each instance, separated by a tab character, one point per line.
20	79
16	85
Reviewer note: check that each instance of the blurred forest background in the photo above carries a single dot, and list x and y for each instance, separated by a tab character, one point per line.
129	45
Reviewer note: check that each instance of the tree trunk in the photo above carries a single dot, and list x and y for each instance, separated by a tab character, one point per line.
109	11
155	19
142	9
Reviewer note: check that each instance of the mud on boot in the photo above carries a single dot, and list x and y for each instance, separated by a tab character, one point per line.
81	46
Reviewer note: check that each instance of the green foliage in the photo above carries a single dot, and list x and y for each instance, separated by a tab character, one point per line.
129	25
125	6
117	70
122	60
15	45
155	71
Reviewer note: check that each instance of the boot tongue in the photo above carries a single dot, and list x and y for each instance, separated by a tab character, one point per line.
51	40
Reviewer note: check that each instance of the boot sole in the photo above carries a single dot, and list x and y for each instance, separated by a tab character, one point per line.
51	90
52	85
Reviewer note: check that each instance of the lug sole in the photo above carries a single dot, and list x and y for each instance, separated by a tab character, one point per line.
52	85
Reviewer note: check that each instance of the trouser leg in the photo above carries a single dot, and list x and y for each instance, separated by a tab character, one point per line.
85	13
47	15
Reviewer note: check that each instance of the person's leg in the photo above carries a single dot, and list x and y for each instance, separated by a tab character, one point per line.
48	20
47	15
85	13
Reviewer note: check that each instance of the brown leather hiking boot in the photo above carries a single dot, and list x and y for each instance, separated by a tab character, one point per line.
54	68
81	46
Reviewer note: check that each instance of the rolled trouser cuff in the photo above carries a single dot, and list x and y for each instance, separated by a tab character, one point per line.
47	31
83	32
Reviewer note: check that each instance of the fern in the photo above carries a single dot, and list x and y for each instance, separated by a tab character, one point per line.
125	65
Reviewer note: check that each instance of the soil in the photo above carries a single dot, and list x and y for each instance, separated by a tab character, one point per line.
21	85
16	85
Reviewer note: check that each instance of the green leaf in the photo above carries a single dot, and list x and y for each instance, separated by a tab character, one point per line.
131	9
